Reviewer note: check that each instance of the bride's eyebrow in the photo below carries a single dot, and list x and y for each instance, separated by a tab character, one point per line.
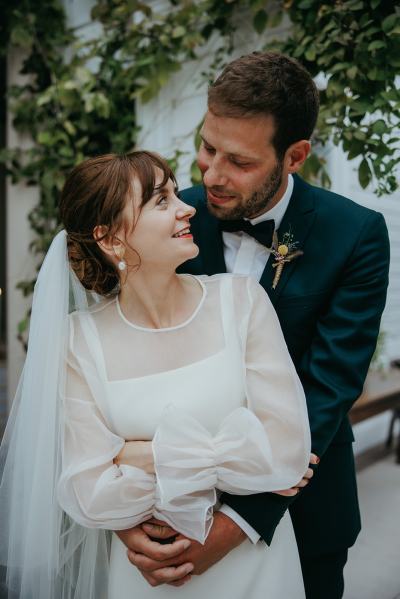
159	190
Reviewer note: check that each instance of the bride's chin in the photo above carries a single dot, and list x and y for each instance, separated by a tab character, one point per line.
193	252
196	250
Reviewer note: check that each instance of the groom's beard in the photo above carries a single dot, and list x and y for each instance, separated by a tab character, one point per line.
257	203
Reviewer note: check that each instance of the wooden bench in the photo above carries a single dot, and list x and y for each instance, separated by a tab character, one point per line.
381	392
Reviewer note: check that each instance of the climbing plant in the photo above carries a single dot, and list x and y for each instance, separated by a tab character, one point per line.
355	44
79	94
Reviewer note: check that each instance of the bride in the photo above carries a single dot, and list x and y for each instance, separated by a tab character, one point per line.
144	394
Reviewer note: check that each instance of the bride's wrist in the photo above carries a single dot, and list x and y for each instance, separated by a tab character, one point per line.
138	454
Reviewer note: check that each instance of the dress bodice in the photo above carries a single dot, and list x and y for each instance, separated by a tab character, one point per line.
208	388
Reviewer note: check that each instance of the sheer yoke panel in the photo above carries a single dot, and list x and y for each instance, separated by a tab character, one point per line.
131	351
197	366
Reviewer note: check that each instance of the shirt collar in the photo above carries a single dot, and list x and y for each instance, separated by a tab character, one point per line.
277	212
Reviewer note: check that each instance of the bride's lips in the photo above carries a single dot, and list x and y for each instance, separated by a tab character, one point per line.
219	199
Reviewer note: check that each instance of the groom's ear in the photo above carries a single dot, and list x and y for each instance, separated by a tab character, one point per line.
296	155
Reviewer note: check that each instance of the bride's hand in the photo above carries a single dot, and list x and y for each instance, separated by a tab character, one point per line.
314	460
138	454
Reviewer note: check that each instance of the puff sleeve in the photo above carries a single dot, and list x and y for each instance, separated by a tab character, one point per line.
264	446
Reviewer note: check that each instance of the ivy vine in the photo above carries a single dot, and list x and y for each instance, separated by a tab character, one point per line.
356	44
80	96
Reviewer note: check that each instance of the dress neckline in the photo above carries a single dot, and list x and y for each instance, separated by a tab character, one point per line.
165	329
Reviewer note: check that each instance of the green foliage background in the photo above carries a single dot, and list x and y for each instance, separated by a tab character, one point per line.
80	96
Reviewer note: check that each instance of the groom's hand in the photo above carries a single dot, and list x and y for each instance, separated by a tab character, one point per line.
314	461
224	536
142	547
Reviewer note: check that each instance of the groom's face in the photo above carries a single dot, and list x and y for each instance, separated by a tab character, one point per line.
241	172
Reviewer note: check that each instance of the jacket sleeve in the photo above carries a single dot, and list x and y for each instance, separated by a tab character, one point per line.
334	368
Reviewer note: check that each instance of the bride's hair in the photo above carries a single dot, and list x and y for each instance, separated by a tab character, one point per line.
95	193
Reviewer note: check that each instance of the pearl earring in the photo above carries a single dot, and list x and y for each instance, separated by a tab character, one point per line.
119	252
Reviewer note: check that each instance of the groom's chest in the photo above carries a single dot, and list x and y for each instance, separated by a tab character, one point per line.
300	294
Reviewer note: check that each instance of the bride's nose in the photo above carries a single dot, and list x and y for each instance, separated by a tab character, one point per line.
185	211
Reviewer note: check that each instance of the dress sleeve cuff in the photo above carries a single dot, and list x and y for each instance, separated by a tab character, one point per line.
190	464
252	534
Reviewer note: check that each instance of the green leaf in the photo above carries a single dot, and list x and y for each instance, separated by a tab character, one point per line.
20	36
44	99
389	22
45	138
178	31
310	53
373	74
392	95
394	60
375	3
352	72
356	149
275	19
260	21
195	173
69	127
376	44
306	4
355	4
379	127
361	135
256	5
364	174
22	326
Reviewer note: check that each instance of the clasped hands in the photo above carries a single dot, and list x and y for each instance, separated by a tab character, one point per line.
163	555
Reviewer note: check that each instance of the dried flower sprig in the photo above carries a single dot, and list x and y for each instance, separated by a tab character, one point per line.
284	251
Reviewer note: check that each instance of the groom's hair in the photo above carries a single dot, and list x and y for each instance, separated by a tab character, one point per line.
270	84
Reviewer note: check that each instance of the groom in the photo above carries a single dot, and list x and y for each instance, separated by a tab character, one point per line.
327	279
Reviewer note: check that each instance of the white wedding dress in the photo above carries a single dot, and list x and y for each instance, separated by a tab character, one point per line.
220	398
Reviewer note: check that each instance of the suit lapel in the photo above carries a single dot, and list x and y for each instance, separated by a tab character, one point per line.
298	219
212	248
209	239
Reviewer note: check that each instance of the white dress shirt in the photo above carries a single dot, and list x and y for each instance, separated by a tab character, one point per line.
244	255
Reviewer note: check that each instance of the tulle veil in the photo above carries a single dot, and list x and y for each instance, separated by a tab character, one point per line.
47	555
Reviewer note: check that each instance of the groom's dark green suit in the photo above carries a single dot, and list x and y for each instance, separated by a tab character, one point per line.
329	302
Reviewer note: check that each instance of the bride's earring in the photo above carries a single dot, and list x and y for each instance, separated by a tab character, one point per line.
119	252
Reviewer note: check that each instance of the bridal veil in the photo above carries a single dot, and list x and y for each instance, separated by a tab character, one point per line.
47	555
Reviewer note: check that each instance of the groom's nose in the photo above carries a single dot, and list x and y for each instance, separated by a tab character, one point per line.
214	174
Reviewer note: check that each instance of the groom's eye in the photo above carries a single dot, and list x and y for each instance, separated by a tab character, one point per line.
208	149
239	163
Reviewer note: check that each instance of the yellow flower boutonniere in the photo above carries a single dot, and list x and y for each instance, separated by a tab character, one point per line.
284	251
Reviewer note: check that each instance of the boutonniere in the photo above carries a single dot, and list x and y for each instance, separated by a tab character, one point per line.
284	251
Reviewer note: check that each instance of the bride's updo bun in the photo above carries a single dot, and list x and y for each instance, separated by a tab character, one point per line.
95	194
90	265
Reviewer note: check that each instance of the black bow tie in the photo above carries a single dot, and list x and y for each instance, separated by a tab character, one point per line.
262	232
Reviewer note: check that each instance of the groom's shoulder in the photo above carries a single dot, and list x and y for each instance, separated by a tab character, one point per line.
330	204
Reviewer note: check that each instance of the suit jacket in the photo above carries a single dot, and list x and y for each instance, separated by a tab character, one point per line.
329	302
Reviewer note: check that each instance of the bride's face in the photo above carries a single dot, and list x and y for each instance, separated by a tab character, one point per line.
161	233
